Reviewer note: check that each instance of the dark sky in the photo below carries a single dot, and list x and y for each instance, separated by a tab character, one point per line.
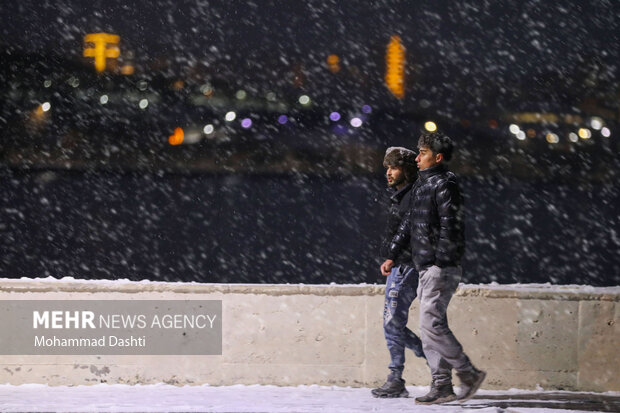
450	45
469	31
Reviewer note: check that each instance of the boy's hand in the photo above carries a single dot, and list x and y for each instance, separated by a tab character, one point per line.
386	267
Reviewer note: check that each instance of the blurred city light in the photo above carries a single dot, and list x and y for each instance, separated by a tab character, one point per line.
47	83
552	138
128	70
177	137
304	99
514	129
573	137
271	96
356	122
584	133
395	67
192	136
230	116
206	90
606	132
531	133
103	99
208	129
246	123
596	123
143	85
535	117
520	135
104	47
143	103
282	119
430	126
366	109
333	63
334	116
45	106
241	94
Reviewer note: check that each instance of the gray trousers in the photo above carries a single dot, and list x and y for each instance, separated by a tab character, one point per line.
443	351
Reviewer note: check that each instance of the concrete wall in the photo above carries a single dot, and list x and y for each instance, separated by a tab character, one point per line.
524	336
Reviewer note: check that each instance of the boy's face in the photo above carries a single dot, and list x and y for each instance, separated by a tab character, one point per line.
426	158
395	177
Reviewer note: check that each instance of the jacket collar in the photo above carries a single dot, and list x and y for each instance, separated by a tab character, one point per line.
433	170
398	194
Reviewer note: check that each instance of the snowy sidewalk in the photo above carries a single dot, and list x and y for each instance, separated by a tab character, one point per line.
306	399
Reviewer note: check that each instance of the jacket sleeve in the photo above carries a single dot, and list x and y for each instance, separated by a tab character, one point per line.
400	241
450	245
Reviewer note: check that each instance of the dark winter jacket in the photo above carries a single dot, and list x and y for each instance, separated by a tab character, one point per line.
433	229
399	207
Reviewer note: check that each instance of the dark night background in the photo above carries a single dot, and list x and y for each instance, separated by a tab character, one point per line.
93	189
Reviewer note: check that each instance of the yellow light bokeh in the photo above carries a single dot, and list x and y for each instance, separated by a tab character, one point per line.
104	47
552	138
584	133
395	67
127	70
430	126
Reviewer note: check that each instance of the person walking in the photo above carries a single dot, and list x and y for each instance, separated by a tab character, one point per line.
433	230
402	281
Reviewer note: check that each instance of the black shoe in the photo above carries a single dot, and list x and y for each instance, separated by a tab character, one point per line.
393	387
470	383
438	394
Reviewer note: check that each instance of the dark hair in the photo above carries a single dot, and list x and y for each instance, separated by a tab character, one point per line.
438	143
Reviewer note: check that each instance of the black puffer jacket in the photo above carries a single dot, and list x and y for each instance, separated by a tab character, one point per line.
433	228
399	207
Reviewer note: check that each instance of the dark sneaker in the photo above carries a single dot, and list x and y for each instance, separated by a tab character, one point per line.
393	387
437	395
470	383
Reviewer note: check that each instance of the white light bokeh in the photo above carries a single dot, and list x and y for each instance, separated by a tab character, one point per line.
208	129
596	123
605	132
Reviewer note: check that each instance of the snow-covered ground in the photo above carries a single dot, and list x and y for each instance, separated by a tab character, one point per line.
239	398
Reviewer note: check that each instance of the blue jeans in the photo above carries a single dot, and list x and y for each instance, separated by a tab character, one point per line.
400	291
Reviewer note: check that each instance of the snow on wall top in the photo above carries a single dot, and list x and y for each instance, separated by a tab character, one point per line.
493	290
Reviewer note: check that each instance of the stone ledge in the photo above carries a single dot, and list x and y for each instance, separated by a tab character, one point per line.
521	291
